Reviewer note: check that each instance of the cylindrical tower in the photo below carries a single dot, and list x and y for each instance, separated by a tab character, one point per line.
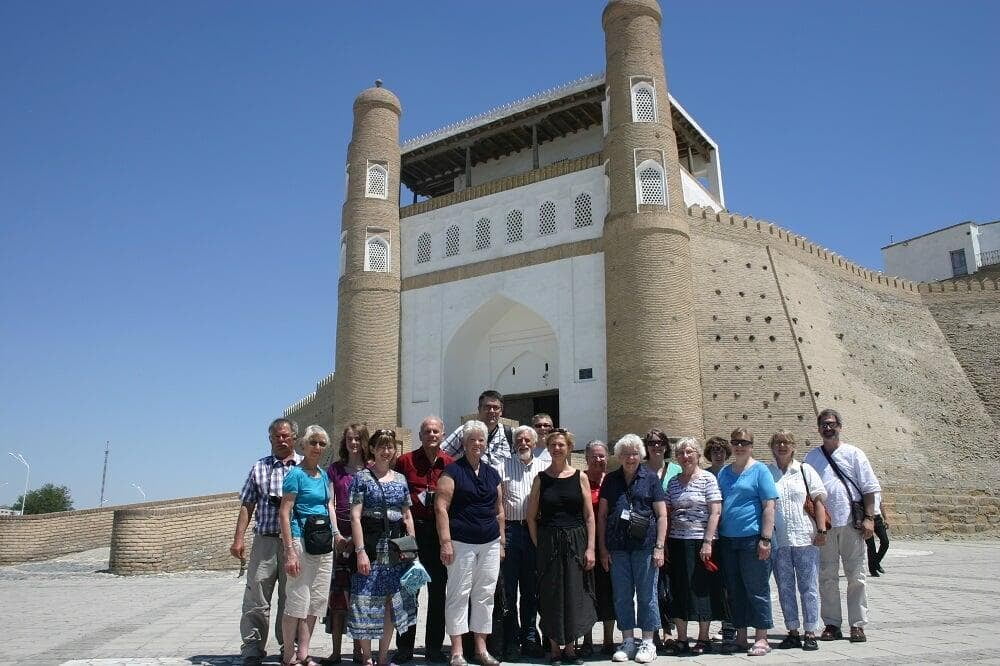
366	379
652	347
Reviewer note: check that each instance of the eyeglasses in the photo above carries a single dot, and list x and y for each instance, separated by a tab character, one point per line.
740	442
654	442
283	435
317	442
828	424
542	426
384	431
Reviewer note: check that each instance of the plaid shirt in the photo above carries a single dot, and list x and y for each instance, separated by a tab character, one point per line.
497	450
265	480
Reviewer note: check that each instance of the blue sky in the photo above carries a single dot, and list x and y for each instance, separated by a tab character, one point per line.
171	177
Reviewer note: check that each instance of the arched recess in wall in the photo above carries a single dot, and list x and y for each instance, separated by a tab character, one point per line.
485	349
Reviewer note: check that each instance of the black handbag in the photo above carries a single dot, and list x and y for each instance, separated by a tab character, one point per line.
638	524
857	508
317	535
403	550
402	547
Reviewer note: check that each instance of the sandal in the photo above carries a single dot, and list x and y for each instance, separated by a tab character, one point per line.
791	641
700	647
831	633
759	649
809	643
309	661
677	648
858	635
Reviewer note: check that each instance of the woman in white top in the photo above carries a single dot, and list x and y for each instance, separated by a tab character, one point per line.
796	540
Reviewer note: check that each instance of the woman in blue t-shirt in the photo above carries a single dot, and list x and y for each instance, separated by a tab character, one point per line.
748	495
305	492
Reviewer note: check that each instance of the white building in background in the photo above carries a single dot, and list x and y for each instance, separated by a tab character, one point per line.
961	249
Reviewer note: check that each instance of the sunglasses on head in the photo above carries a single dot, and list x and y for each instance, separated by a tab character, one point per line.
384	431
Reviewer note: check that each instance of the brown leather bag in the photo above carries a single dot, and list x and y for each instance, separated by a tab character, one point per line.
809	505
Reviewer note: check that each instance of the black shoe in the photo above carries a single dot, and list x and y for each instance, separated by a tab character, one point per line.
532	648
402	656
874	573
880	569
573	659
435	657
791	641
512	652
831	633
586	650
809	643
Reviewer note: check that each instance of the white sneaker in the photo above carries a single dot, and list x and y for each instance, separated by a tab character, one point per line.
646	652
625	651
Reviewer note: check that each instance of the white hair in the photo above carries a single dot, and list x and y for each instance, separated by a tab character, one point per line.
528	429
593	444
630	441
685	442
314	430
472	426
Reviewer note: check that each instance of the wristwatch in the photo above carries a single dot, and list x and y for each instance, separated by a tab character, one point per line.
867	517
657	546
766	540
820	531
358	550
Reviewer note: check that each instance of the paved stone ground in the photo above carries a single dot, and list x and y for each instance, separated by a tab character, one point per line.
938	603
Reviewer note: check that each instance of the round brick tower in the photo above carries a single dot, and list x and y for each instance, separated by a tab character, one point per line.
366	379
652	348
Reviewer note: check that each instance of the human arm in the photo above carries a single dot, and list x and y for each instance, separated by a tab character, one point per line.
292	567
442	501
602	523
408	521
659	547
820	509
766	530
868	524
358	537
588	519
338	539
238	548
711	528
501	522
532	510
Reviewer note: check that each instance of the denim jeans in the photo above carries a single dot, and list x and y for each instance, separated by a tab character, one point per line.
633	575
747	581
519	573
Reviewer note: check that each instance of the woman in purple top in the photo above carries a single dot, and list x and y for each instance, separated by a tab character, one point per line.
350	461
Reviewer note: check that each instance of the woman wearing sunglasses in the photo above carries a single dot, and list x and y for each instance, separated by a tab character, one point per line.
658	460
748	495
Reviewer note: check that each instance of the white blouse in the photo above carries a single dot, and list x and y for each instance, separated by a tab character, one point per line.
792	525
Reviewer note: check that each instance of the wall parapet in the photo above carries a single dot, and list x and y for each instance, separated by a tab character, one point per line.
560	168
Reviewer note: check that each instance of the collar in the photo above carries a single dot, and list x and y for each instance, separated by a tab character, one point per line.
275	462
421	455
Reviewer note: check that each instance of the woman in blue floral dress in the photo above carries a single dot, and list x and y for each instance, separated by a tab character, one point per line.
380	510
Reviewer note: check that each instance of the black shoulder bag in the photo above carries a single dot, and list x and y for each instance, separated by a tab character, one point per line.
402	549
857	508
638	524
317	532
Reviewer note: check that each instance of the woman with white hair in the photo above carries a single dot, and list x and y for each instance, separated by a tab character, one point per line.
307	505
631	528
469	518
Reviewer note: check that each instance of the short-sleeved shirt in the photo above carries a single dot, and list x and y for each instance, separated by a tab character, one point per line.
689	504
644	490
341	478
421	476
263	483
498	447
792	525
516	478
473	511
673	469
312	493
854	464
742	498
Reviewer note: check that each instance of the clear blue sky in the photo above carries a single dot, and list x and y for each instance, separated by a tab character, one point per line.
171	179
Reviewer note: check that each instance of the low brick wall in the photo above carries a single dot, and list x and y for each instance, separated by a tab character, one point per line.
48	535
193	534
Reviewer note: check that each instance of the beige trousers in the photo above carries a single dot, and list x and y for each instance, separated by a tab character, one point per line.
266	567
843	544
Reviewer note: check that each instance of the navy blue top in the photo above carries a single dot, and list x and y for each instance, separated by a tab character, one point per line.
645	489
473	511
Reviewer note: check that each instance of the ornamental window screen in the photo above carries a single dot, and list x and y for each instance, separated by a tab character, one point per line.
483	233
451	241
651	187
546	219
343	256
515	226
583	215
643	103
376	255
377	182
423	248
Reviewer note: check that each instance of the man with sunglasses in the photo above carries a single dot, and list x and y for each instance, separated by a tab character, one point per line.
849	478
261	495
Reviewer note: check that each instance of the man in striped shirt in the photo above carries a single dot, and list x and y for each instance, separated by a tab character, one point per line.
261	494
516	477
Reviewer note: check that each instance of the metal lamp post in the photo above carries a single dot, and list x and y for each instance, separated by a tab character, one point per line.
27	475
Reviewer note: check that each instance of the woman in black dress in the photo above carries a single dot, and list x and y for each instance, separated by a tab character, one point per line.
561	524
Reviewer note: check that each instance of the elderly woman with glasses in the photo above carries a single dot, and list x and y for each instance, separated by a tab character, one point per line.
469	519
306	493
748	495
597	469
796	540
380	510
658	460
631	528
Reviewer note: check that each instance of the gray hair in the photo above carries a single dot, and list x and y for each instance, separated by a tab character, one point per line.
630	441
314	430
432	417
684	443
528	429
593	444
829	412
472	426
277	423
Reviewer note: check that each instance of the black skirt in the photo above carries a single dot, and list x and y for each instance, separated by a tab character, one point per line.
696	592
566	594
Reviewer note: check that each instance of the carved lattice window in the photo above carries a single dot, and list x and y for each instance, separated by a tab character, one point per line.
423	248
484	234
515	226
451	241
583	214
546	219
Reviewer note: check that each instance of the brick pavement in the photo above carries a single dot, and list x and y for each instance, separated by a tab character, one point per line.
937	604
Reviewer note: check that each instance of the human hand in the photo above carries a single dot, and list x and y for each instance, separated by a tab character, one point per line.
867	528
447	553
606	560
503	552
819	539
706	552
658	557
238	549
292	566
588	559
364	565
763	550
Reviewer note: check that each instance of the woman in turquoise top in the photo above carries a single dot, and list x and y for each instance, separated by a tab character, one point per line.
657	453
305	492
748	495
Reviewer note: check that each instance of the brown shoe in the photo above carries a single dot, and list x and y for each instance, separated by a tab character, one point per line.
831	633
858	635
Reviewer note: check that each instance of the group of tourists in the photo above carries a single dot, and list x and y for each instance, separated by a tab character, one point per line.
522	553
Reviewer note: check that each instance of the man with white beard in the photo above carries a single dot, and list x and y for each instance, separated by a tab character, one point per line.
516	477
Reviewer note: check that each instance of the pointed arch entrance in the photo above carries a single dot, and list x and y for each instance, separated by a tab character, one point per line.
503	345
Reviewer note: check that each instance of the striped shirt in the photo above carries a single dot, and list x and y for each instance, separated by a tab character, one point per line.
264	481
497	450
515	480
688	504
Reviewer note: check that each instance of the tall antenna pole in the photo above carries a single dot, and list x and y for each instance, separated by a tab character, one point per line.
104	474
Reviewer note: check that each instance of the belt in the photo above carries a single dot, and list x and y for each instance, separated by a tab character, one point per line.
522	523
274	535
